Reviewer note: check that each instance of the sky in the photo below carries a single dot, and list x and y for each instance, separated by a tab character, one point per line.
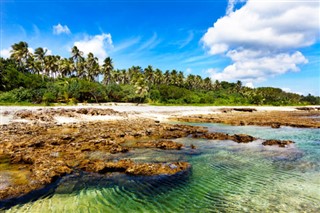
262	43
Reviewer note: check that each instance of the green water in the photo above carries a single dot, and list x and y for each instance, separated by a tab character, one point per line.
225	177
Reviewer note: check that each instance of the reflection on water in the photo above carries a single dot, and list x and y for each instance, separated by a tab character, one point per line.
225	177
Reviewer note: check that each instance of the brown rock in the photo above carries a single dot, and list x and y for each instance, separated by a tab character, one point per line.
160	144
242	138
275	125
280	143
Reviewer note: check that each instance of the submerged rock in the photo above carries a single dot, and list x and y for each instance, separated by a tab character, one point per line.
280	143
239	138
160	144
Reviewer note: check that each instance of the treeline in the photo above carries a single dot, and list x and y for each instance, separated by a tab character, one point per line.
41	78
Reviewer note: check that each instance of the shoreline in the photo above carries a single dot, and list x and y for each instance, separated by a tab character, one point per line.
132	111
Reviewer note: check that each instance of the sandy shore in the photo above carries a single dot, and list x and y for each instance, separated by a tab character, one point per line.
161	113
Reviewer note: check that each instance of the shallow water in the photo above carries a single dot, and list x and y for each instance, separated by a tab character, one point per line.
225	177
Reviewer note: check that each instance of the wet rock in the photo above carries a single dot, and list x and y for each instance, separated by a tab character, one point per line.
299	119
226	110
239	138
150	169
242	138
160	144
280	143
275	125
213	136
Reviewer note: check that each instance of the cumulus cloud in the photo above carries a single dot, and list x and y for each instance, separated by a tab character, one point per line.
5	53
232	4
262	38
59	29
96	44
49	52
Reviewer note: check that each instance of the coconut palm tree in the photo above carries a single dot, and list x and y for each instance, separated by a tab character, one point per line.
180	79
134	74
207	84
190	82
174	77
91	67
33	65
76	55
39	54
148	73
65	67
51	65
141	88
20	53
217	85
158	77
106	70
167	77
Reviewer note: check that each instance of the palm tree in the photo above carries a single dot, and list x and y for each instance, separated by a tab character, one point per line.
148	73
180	79
167	77
207	84
216	85
107	68
174	77
141	88
78	60
238	86
65	67
198	82
124	77
134	73
91	67
51	65
32	65
190	81
20	53
158	77
39	54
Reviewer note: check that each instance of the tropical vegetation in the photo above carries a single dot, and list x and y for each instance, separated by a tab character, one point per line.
42	78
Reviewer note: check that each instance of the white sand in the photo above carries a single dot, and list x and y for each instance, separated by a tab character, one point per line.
160	113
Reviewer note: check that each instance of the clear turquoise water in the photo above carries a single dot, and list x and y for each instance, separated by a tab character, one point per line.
225	177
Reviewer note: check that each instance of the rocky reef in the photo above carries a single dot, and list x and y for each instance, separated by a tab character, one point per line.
274	119
40	152
239	138
280	143
45	152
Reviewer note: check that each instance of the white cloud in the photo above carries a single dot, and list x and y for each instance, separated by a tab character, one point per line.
5	53
59	29
231	5
262	37
96	44
49	52
259	66
250	85
151	43
186	41
126	44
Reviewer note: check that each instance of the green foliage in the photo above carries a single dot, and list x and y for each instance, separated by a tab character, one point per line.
37	77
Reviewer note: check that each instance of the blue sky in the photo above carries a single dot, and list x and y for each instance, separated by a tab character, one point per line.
262	43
